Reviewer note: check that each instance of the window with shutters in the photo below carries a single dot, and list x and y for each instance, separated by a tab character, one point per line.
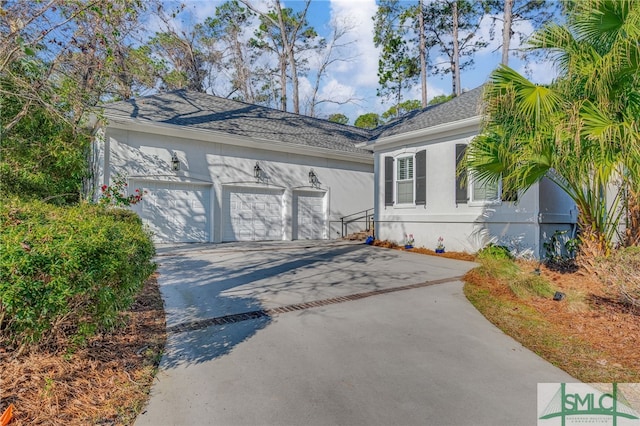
475	191
404	180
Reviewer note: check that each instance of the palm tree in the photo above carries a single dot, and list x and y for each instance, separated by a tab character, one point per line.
581	131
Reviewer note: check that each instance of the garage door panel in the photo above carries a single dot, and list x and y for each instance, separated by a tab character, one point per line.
252	214
310	216
175	212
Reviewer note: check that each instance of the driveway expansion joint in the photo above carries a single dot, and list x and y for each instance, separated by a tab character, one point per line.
262	313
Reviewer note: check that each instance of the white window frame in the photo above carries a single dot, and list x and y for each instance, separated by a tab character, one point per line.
397	180
482	202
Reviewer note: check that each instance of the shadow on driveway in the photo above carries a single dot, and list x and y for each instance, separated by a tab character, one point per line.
213	281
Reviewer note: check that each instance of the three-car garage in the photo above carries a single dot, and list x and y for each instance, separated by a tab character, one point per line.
189	212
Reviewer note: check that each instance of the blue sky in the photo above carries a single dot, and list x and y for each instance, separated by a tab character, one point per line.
357	77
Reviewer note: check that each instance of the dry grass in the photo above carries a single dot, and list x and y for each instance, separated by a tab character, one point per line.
589	335
105	383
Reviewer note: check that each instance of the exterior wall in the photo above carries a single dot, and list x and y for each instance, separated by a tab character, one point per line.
558	215
523	225
465	226
142	155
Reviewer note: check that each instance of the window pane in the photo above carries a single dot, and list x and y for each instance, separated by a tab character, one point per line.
405	168
405	192
485	191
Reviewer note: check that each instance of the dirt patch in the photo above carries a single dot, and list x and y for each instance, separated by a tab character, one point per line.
105	383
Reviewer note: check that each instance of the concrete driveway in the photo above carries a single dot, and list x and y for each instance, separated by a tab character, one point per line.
332	333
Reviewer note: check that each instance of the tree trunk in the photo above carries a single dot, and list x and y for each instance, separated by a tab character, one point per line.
632	231
506	30
593	245
423	55
242	73
283	83
455	60
287	46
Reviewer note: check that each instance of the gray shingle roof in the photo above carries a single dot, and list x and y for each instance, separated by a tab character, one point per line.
466	105
207	112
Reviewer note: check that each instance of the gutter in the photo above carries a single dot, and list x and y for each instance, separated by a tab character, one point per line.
214	136
417	136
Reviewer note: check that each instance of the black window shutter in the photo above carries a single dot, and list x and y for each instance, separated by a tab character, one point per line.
388	181
461	179
421	177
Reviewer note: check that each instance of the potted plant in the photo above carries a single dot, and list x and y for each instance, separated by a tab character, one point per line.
440	246
408	241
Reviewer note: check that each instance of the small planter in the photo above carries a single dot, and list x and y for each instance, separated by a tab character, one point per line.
408	246
439	250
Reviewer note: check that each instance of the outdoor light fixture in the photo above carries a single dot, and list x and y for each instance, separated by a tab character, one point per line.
257	172
175	162
313	178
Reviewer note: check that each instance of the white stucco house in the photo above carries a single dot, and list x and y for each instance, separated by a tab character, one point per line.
218	170
418	192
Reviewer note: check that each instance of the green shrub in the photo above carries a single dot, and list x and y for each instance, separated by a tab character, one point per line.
67	271
494	251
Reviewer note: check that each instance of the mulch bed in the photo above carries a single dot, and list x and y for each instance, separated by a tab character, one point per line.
605	333
107	382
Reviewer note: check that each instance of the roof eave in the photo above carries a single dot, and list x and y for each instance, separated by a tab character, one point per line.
186	132
452	128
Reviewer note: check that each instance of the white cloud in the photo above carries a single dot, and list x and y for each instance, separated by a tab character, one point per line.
362	71
337	91
199	10
432	91
540	71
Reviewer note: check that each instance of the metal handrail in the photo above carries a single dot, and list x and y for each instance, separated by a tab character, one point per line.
353	214
367	216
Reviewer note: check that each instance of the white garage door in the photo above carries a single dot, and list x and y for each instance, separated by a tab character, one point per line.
175	211
252	214
309	215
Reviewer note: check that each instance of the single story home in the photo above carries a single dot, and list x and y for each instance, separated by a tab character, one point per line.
219	170
418	191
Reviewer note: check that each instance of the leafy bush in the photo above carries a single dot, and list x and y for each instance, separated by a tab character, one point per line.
67	271
494	251
621	272
43	156
116	193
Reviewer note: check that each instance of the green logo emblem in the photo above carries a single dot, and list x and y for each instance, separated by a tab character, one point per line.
582	404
